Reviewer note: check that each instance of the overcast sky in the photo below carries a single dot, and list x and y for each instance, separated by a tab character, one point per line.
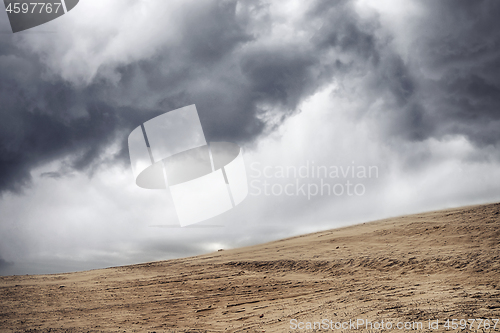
410	88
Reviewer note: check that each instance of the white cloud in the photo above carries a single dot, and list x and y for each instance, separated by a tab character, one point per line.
96	36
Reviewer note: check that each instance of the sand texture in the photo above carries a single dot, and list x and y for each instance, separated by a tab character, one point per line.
438	265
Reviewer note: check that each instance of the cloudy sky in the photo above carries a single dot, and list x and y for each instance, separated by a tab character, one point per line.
410	88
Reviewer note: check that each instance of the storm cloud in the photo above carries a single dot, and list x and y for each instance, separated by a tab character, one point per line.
418	81
242	81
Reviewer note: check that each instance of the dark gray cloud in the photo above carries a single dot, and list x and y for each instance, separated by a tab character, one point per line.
38	126
452	77
244	85
46	118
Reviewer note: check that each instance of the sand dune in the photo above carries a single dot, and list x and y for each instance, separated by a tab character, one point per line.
438	265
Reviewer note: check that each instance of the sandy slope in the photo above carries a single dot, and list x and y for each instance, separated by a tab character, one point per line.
436	265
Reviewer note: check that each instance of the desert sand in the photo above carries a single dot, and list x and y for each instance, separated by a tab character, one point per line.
431	266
